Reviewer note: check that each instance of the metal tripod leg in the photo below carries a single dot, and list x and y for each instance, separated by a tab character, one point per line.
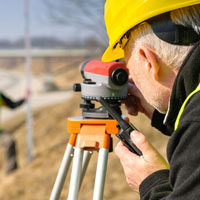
86	158
62	173
76	174
100	174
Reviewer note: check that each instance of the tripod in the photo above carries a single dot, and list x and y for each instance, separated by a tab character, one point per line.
87	135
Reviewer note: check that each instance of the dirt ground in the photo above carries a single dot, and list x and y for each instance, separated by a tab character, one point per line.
35	180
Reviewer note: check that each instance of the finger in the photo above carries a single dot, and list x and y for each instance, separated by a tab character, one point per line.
122	151
132	89
141	142
131	80
130	98
131	110
132	101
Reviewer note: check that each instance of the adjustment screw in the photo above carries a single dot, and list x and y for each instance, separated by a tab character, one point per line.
118	126
77	87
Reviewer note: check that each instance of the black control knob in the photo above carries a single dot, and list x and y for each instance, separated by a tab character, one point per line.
87	105
118	126
119	76
77	87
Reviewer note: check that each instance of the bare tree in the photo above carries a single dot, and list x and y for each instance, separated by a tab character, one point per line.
79	14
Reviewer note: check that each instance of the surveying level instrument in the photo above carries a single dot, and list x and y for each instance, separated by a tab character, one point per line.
106	83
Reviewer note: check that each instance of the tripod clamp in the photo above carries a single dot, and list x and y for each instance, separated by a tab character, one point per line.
91	134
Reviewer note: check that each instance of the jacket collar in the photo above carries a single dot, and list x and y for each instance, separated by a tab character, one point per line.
186	81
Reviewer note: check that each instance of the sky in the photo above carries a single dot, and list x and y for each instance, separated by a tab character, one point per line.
12	21
11	18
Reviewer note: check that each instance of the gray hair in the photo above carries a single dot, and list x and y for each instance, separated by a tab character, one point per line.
172	55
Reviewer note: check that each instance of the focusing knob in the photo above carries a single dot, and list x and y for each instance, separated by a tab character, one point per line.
77	87
119	76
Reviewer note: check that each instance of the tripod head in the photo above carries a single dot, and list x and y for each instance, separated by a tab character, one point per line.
102	80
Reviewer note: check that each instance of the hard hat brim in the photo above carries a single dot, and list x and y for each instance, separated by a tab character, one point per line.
112	54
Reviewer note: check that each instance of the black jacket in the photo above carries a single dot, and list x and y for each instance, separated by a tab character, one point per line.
182	181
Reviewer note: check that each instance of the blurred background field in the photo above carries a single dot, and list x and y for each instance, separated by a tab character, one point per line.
75	28
34	181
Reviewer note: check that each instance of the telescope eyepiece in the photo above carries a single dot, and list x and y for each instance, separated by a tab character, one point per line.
119	76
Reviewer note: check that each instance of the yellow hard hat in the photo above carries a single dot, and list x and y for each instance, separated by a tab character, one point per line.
122	15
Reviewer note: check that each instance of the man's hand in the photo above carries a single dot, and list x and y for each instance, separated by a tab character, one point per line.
136	102
137	168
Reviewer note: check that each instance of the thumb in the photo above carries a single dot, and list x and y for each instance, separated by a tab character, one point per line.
141	142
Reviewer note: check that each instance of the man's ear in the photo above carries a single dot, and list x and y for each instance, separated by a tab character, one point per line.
151	62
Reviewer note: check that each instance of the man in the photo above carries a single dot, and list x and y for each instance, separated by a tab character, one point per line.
160	44
6	139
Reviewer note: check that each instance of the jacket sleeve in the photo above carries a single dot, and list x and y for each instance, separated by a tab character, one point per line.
184	157
156	186
11	104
